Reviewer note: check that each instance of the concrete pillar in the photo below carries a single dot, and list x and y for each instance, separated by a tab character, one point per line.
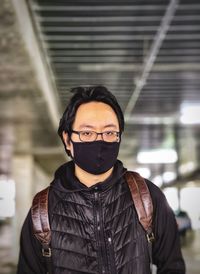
7	140
41	179
23	177
29	178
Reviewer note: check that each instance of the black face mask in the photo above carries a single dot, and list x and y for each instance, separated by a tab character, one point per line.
95	157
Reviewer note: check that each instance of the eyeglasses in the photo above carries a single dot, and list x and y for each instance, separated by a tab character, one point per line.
91	136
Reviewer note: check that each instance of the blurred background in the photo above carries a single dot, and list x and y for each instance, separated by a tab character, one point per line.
147	53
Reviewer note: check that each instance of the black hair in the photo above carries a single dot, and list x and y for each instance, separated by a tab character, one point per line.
84	95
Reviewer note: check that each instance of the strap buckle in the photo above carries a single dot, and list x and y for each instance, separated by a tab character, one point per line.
150	237
46	252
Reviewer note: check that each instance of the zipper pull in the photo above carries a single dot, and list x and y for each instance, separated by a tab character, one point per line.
109	237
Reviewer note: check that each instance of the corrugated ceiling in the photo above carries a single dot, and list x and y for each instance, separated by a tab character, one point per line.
146	52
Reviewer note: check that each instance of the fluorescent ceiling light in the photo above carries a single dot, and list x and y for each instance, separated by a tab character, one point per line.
171	194
7	197
158	180
187	167
166	177
144	172
190	113
157	156
169	176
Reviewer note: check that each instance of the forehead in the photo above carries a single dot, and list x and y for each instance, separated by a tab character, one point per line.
95	114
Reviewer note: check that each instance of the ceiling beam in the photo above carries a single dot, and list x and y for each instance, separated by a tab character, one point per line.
154	120
103	19
44	79
133	7
114	45
151	56
120	52
119	37
71	19
68	7
113	29
98	28
98	67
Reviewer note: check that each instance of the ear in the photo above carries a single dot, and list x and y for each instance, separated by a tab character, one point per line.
66	140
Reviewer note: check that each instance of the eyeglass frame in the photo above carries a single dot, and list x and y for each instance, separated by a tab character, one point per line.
118	135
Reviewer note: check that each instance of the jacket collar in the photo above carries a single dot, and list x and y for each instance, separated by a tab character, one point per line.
66	181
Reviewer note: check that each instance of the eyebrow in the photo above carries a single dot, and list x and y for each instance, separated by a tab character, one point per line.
111	125
92	127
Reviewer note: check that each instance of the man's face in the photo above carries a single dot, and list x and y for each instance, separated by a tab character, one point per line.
94	116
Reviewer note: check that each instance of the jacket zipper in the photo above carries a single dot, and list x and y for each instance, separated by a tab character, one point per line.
111	253
101	239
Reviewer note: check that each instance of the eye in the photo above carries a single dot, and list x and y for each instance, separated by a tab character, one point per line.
109	133
86	133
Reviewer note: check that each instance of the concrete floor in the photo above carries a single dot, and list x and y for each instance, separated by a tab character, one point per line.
6	251
190	248
191	252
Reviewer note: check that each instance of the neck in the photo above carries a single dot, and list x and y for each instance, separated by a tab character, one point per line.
89	179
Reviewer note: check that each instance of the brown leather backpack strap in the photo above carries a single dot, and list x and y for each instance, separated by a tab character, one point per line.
40	220
142	200
143	205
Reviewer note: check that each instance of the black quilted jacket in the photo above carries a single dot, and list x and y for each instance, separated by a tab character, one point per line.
95	230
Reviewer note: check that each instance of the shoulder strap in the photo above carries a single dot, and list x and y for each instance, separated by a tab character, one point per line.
143	205
141	198
41	227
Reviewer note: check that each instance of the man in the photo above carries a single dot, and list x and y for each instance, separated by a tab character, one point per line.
94	224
